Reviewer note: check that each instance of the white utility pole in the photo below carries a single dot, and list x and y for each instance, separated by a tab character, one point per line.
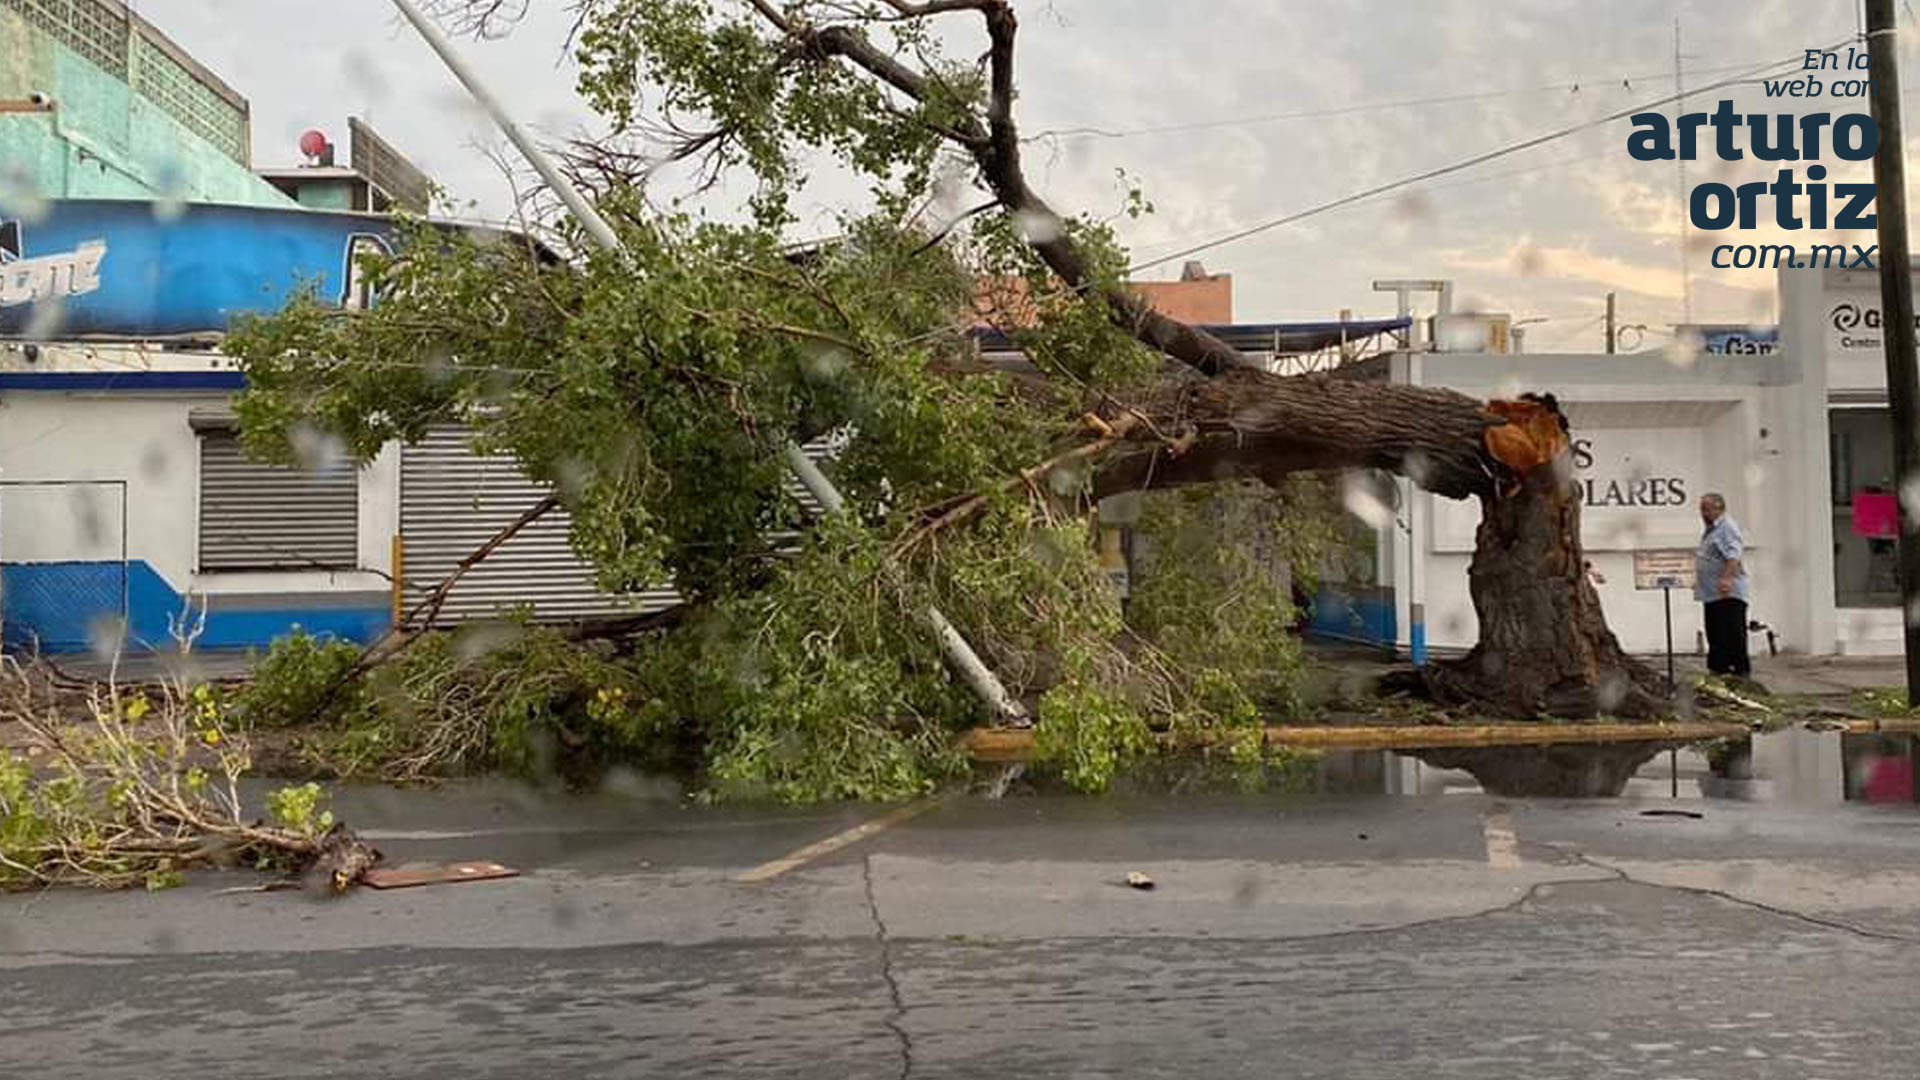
955	647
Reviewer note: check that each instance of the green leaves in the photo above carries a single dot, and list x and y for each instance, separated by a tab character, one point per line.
300	809
1089	734
653	389
741	98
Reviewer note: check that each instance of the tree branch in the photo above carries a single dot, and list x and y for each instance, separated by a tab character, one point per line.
995	148
936	7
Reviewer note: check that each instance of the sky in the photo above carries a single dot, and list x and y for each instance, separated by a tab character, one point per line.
1229	114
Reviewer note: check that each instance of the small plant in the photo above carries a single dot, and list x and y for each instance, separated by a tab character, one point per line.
298	809
301	679
143	788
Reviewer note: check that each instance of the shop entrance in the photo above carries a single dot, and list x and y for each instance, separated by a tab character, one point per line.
1866	517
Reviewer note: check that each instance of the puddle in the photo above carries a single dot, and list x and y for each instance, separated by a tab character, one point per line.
1794	766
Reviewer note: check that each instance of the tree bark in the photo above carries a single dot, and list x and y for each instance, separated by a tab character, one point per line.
1544	648
1249	424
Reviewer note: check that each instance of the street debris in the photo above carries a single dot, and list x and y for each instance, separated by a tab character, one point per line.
1138	880
452	874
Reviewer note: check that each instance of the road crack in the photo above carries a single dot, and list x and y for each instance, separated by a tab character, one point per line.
895	1020
1855	929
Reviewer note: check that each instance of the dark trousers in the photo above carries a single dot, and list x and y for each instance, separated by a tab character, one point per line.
1727	638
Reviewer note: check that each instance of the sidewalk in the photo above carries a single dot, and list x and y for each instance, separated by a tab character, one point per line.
1346	672
1817	676
199	666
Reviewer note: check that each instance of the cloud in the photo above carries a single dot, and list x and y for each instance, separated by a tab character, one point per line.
1576	264
1398	90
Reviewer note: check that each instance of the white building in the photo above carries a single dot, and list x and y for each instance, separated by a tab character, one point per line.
124	498
1793	438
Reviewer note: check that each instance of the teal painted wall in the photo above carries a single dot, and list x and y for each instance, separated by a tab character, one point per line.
327	195
104	141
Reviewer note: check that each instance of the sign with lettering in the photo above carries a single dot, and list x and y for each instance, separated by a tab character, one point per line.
1628	490
1854	323
1636	486
1663	568
1722	340
50	277
125	269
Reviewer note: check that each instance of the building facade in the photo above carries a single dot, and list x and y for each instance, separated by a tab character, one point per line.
133	230
1794	434
102	105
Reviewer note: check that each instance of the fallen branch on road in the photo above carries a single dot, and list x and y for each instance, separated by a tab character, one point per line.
145	788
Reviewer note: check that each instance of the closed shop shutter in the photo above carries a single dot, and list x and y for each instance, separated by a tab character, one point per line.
453	500
274	517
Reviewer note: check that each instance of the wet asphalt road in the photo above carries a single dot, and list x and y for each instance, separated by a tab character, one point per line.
1453	936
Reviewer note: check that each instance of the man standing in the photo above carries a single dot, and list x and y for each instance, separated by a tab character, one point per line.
1720	582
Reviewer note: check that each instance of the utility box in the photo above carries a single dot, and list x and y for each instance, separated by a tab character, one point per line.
1471	333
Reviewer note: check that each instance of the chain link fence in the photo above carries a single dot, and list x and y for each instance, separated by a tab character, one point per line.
65	581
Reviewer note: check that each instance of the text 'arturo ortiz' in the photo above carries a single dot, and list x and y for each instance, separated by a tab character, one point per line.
1796	204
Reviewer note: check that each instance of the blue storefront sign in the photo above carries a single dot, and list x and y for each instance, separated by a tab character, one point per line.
142	270
1738	340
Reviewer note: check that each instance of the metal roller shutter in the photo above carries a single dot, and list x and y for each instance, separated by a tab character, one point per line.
274	517
452	500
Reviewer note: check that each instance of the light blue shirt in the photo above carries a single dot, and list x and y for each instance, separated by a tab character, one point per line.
1720	544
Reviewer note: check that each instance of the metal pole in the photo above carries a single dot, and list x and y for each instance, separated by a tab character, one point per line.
1666	599
126	584
958	652
577	203
1666	596
1896	305
1680	183
1610	328
1416	550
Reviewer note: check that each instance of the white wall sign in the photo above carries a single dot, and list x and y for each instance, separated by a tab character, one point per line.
50	277
1854	322
1636	485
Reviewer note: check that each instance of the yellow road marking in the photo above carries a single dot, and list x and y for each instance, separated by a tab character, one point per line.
863	831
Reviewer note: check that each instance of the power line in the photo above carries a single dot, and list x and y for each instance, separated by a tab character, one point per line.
1467	163
1568	86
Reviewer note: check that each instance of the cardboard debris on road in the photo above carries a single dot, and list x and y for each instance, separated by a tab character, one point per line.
407	878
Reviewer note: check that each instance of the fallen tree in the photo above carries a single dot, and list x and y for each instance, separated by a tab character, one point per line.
652	387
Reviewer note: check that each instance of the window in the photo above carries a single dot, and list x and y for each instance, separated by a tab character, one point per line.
273	517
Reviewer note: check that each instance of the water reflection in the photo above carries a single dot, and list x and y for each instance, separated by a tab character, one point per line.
1878	768
1797	765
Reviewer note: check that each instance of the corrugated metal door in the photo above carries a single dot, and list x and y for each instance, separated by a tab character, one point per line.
453	500
272	517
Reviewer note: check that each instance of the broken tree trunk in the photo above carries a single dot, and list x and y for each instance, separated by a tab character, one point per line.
1544	648
1247	424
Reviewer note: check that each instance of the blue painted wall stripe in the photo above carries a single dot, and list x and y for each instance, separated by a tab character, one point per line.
58	607
122	380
